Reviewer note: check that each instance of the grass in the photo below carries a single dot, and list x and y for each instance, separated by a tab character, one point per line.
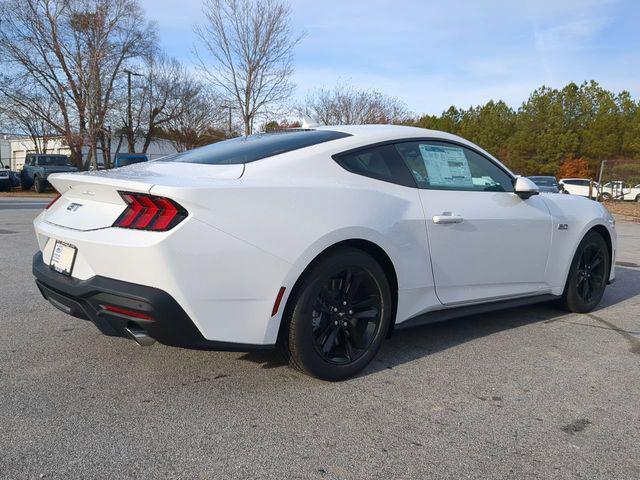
28	194
630	210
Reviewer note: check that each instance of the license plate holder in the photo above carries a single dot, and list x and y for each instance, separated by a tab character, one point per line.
63	257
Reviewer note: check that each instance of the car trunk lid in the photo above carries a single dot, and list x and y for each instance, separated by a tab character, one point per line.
91	200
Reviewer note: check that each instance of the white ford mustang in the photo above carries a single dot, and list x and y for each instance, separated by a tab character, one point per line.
320	240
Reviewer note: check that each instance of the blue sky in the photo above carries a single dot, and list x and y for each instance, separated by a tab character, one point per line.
434	54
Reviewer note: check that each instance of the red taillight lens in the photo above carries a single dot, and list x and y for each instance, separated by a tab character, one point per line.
55	199
149	212
127	312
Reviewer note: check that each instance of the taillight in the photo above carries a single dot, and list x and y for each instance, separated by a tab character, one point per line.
55	199
149	212
127	312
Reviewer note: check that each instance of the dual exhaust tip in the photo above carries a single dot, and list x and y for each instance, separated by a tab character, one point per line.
138	335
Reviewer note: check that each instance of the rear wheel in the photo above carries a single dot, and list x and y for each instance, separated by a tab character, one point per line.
638	198
588	274
339	316
39	185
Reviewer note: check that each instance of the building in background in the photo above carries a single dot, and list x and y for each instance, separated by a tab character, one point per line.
5	149
13	150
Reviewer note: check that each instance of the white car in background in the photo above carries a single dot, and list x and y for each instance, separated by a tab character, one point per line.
322	241
580	186
619	191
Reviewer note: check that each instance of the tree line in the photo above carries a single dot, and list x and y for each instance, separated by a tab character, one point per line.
565	132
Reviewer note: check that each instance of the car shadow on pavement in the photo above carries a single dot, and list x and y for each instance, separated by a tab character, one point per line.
413	343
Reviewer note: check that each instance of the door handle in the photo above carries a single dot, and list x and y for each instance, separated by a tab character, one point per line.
446	218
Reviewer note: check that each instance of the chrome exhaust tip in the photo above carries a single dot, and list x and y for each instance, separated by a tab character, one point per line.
139	336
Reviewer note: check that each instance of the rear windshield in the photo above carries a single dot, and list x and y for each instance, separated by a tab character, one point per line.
254	147
53	160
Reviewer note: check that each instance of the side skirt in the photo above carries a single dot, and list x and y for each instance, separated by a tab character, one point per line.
457	312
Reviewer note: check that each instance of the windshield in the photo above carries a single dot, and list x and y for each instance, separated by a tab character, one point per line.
254	147
544	181
53	161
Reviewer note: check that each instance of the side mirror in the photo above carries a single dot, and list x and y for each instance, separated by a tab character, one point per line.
525	188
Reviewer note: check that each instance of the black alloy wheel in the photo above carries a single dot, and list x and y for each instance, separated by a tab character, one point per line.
338	315
346	315
588	274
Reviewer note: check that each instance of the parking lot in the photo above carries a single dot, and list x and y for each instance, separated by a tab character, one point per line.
525	393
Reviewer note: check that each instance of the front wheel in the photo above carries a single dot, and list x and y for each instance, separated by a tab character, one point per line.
39	185
340	314
588	274
638	198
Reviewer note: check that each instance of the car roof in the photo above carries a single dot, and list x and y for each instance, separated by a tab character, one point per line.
370	134
390	132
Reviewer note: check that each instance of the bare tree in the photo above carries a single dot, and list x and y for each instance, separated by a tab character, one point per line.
251	47
18	118
199	123
346	105
74	52
163	93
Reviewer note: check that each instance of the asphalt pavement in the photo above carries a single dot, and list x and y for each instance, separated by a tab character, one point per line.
524	393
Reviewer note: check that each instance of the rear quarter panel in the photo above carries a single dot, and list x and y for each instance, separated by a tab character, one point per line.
295	209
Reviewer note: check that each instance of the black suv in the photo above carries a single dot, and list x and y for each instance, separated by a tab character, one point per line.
38	167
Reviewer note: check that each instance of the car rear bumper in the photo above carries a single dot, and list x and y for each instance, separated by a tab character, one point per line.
161	317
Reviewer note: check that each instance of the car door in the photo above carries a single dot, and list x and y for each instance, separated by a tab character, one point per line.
486	243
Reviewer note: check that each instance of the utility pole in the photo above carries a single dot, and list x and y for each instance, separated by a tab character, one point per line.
230	119
130	137
602	164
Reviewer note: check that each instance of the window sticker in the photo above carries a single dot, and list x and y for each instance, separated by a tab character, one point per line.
446	166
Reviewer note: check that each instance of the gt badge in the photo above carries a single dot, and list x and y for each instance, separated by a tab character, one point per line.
74	207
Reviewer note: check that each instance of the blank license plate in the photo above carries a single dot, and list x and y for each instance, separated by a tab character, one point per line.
64	255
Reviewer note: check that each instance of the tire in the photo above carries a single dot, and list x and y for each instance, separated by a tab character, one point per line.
39	185
339	315
588	274
638	198
605	197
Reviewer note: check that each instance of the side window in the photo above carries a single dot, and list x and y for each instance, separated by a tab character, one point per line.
381	163
444	166
585	183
